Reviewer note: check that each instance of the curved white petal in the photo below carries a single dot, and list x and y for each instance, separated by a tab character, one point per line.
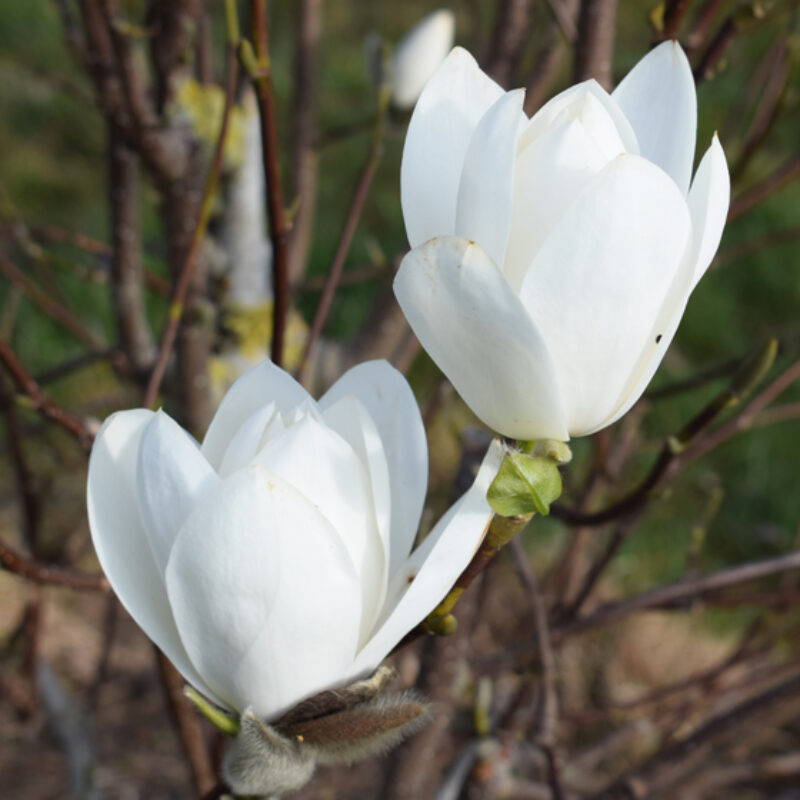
475	328
258	387
446	114
434	566
486	188
552	171
171	476
600	280
121	543
418	54
352	422
547	115
708	206
390	403
250	437
264	594
325	469
709	199
659	98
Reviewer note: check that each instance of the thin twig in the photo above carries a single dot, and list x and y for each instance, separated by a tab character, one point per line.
47	408
49	575
548	716
722	725
674	12
773	183
751	371
348	231
279	225
63	316
305	156
189	730
680	592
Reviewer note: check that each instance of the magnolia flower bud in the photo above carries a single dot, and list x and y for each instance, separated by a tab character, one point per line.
553	257
274	561
418	54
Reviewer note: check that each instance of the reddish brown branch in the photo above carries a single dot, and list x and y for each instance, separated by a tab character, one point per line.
594	47
346	239
279	225
63	316
773	183
674	12
683	591
47	408
548	711
189	728
49	575
305	156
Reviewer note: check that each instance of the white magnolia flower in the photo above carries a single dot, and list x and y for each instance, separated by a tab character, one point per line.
418	54
272	562
553	257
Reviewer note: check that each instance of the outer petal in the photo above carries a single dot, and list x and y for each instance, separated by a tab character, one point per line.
325	469
659	98
446	114
602	277
552	171
120	540
486	189
474	327
387	397
708	206
709	199
264	593
419	53
172	475
434	566
544	118
258	387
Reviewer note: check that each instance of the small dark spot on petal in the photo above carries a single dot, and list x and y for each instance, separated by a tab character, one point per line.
410	578
658	338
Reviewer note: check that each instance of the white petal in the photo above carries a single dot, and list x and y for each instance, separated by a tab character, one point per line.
552	171
418	54
171	476
486	188
475	328
251	436
601	278
389	401
708	206
325	469
352	422
434	566
446	114
544	118
258	387
121	543
264	593
659	98
709	199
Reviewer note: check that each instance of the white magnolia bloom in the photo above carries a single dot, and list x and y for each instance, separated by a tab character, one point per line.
418	54
553	257
272	562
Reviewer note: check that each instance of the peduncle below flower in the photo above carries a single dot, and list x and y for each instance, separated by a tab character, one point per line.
553	257
275	561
